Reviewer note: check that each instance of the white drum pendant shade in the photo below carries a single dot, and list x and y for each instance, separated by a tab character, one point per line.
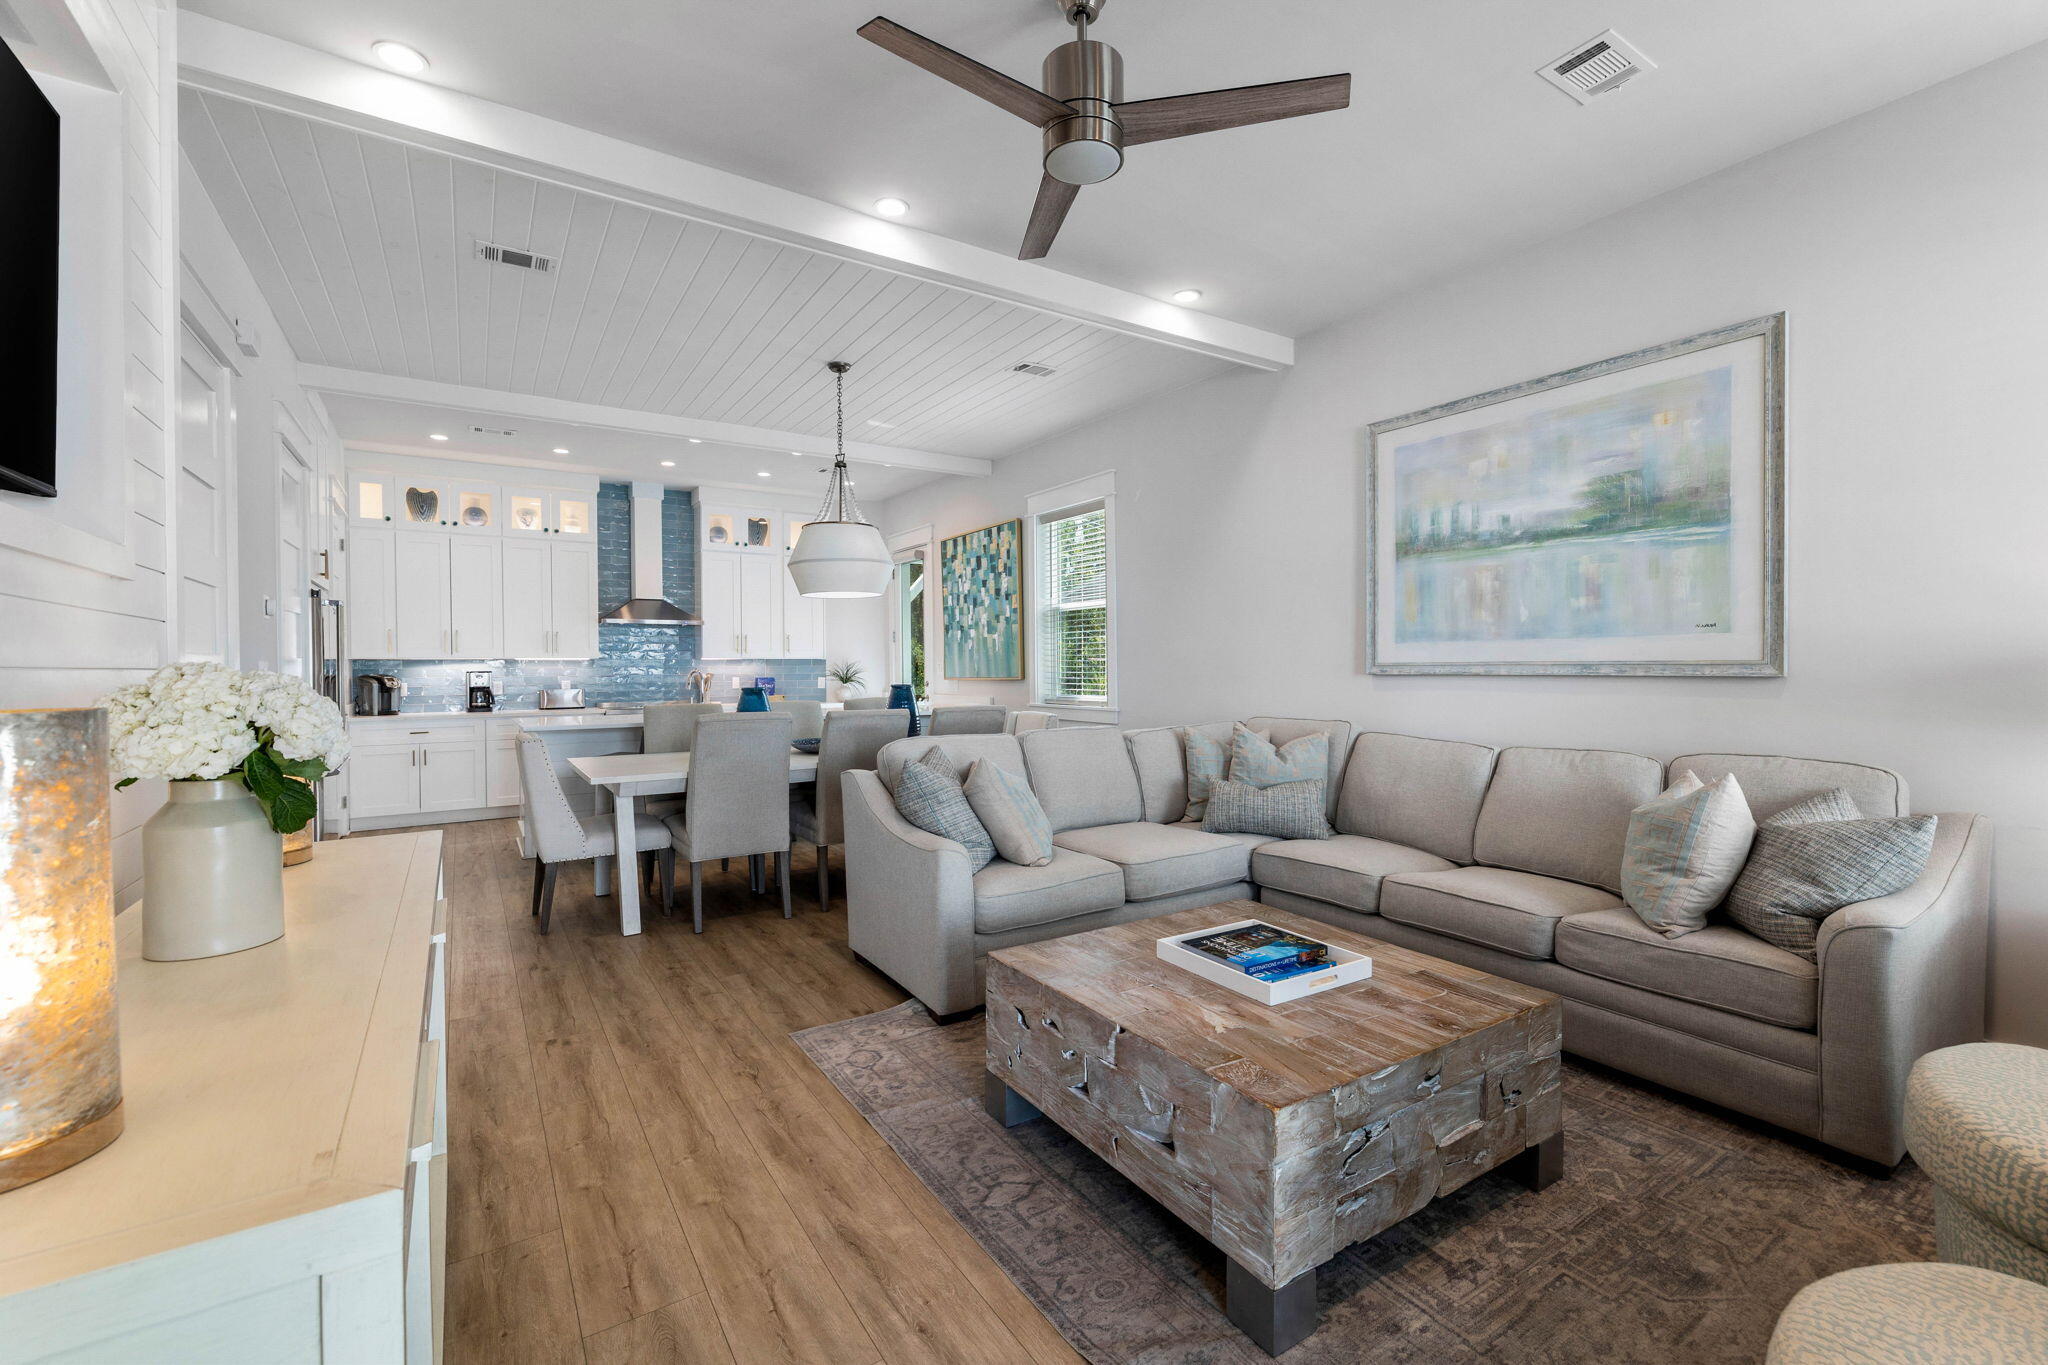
840	554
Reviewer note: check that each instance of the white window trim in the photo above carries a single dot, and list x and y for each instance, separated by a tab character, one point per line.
1094	488
902	546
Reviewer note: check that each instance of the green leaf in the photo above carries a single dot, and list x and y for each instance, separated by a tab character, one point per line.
288	802
305	769
125	783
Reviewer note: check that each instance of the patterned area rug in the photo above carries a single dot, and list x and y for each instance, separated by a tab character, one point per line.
1676	1235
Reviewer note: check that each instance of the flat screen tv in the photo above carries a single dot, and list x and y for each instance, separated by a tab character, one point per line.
28	286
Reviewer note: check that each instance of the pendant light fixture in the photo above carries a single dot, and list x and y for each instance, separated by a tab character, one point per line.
840	554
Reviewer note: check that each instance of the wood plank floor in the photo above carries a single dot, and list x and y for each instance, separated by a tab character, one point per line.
643	1167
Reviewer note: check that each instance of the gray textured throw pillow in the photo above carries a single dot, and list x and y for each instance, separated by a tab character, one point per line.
1285	810
1010	811
1800	873
929	795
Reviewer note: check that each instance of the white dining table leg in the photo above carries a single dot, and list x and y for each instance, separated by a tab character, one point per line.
623	806
600	870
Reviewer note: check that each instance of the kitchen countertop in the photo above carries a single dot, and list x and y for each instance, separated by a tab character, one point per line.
502	713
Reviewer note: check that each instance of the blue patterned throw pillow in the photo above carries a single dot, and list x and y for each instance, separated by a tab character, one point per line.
929	795
1255	761
1009	810
1285	810
1208	762
1812	859
1684	850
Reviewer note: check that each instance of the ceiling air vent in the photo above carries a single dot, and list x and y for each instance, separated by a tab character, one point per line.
513	256
1032	367
492	431
1596	67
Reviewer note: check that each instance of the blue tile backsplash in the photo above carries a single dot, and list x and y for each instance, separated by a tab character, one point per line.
634	663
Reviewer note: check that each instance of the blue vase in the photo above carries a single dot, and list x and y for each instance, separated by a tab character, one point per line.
901	700
753	699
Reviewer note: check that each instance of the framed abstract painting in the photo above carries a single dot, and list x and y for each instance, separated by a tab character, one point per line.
1621	518
981	603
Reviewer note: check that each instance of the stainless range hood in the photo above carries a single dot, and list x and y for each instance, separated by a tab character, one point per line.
647	607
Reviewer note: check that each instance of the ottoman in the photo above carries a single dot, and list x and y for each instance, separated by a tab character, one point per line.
1977	1122
1914	1314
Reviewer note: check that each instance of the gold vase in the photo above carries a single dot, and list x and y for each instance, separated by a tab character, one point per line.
60	1054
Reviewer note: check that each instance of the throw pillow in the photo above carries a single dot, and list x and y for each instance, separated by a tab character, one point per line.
1285	810
1684	851
929	796
1255	762
1208	761
1830	805
1799	874
1009	810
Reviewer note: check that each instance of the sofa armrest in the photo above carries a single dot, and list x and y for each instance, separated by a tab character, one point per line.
1901	976
909	899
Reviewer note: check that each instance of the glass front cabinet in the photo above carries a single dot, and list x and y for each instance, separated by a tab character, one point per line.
550	512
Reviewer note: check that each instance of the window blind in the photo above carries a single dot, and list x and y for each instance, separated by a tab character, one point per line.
1073	606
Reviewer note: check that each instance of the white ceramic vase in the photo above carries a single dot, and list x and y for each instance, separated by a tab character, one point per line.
212	873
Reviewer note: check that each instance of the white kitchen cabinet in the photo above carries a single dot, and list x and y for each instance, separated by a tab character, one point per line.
421	608
741	603
371	599
803	621
411	765
531	511
372	496
572	594
383	779
452	777
527	615
475	598
550	599
501	778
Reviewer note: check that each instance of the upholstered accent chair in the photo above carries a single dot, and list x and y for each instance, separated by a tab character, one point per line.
1021	722
969	720
560	835
739	801
807	717
1977	1122
817	813
1914	1313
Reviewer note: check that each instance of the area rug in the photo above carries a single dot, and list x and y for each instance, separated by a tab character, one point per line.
1676	1234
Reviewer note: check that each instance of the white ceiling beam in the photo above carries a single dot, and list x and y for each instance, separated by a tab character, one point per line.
538	408
253	66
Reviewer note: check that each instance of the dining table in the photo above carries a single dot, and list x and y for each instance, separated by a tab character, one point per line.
624	779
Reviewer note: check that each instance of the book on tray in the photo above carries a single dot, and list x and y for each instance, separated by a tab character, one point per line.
1262	952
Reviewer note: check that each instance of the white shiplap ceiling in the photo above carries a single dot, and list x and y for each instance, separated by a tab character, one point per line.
365	248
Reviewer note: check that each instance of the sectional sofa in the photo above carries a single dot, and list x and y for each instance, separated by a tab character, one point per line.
1509	861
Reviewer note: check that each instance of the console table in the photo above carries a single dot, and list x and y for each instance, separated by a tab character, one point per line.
279	1192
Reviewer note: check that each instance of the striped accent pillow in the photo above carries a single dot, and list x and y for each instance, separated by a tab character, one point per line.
929	796
1684	850
1802	870
1255	762
1010	811
1208	761
1285	810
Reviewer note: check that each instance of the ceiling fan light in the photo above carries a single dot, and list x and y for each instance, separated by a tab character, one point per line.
1084	161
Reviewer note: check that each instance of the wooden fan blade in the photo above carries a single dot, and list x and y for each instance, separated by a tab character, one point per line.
1055	197
1211	110
1033	106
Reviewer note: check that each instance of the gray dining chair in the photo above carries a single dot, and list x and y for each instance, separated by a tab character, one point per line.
560	835
1023	722
968	720
808	717
739	801
817	812
667	726
866	703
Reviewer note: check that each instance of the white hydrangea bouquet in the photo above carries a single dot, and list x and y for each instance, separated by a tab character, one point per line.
204	721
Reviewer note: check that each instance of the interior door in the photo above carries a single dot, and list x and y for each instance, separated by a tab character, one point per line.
422	602
718	600
528	603
372	605
205	562
573	594
474	598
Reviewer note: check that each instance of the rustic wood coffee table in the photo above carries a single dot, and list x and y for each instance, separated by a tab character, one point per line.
1282	1133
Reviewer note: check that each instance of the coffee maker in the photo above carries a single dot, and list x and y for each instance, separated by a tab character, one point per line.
481	697
378	694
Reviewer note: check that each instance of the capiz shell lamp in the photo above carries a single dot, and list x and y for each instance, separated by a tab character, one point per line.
60	1055
840	554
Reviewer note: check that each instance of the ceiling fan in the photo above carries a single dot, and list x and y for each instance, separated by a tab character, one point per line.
1082	112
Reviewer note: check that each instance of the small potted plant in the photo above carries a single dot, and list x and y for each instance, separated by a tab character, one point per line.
241	752
851	678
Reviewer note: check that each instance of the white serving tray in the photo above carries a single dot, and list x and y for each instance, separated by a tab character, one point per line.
1346	967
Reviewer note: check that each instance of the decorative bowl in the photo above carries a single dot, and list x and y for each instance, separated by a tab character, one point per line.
804	746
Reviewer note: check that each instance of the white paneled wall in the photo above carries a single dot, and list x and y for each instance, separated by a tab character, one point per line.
83	601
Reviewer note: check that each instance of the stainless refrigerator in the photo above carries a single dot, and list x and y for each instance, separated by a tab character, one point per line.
329	636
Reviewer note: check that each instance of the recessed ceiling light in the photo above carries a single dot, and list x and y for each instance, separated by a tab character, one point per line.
798	453
696	441
399	57
435	436
1186	296
766	475
891	207
668	464
561	450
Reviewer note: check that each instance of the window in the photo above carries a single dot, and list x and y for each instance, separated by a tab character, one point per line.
910	616
1074	659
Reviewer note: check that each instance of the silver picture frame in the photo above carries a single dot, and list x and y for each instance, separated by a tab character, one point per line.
1768	588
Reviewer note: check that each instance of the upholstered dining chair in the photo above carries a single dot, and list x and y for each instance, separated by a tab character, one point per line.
739	801
808	717
866	703
1021	722
817	814
968	720
560	835
667	726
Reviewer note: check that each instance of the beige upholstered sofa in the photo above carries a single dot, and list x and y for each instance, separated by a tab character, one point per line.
1507	860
